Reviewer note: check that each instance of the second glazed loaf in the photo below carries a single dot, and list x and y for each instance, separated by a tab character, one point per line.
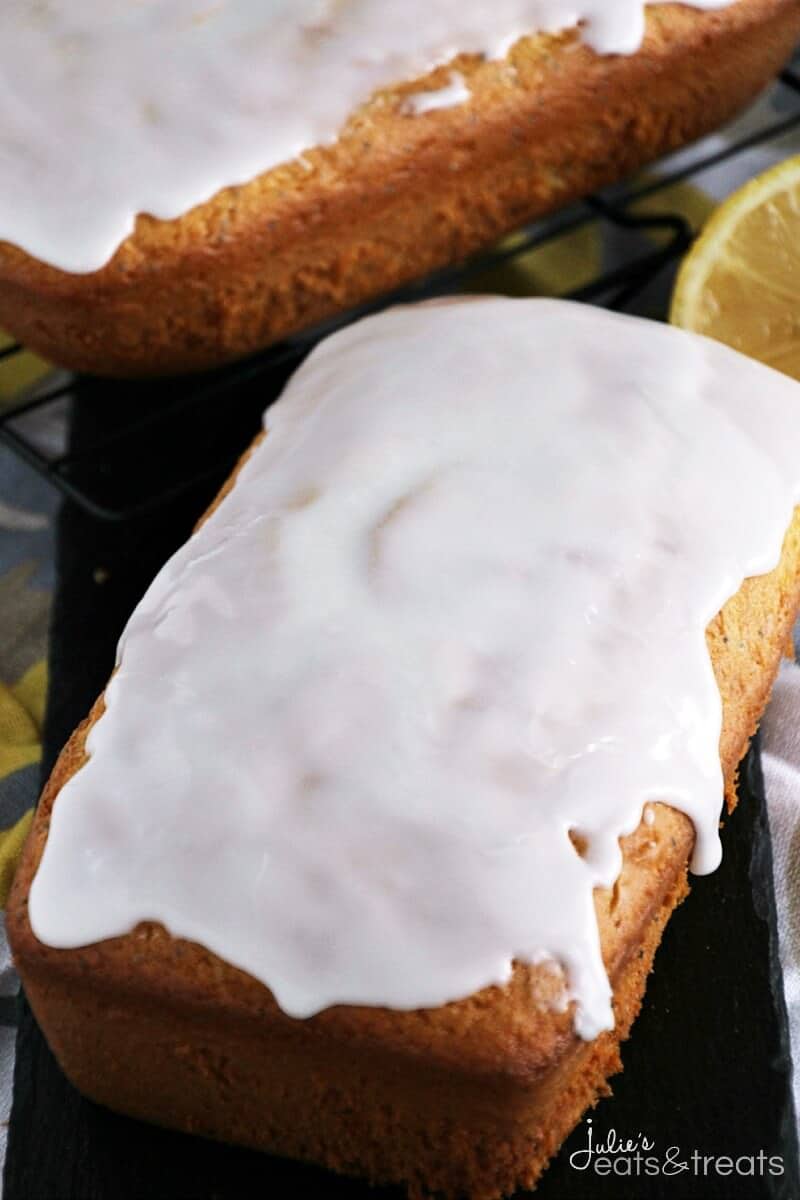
396	196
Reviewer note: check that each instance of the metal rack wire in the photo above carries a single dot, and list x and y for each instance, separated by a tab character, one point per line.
649	242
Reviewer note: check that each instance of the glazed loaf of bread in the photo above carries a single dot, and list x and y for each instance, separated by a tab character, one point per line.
397	195
473	1096
472	1099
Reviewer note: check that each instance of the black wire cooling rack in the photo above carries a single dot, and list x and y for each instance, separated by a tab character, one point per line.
227	404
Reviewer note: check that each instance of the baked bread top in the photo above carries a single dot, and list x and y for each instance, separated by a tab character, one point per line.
113	109
358	682
394	197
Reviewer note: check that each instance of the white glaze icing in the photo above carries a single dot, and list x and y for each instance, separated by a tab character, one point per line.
456	92
453	608
115	107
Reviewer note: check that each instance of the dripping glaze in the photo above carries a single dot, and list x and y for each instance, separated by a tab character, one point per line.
453	610
112	108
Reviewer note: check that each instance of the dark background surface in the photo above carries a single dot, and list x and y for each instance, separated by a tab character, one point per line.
707	1068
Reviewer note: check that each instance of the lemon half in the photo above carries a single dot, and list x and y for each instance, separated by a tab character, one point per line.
740	283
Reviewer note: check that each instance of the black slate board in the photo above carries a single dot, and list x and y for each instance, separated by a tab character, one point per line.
707	1068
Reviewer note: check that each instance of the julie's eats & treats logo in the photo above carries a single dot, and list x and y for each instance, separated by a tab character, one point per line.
640	1157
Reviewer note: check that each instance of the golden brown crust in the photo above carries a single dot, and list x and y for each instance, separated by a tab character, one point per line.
396	196
472	1097
294	1090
